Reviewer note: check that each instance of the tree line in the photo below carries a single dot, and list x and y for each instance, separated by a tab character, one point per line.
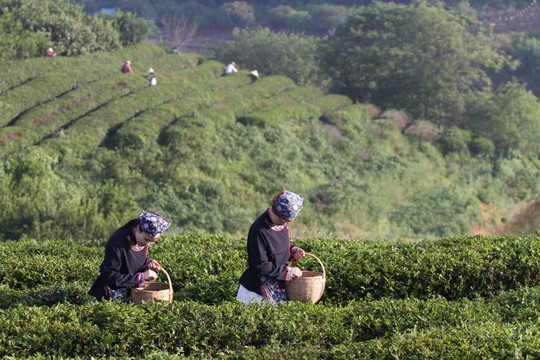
32	26
435	64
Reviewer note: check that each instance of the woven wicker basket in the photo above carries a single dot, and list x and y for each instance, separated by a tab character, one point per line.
309	287
153	291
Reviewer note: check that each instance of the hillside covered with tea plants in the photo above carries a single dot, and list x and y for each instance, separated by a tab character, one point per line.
451	298
84	147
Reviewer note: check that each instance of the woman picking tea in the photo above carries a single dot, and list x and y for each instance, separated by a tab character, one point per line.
126	264
269	249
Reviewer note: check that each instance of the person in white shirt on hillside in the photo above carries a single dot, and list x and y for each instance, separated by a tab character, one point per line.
152	77
231	68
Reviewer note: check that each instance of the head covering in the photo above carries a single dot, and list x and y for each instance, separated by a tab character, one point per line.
150	70
255	73
152	224
287	204
49	49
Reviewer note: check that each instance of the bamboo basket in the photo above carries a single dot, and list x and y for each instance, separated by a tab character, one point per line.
153	291
309	287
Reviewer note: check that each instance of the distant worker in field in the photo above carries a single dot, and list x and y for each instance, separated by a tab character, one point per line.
269	249
175	50
151	77
50	52
126	264
254	75
231	68
126	68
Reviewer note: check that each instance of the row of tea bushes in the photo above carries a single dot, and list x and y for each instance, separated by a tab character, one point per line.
143	55
112	114
67	75
308	103
39	90
280	115
502	326
80	91
142	132
47	119
271	85
228	108
206	269
452	268
131	136
251	97
353	115
224	106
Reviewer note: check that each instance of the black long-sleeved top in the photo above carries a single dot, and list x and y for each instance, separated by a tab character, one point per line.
124	258
269	249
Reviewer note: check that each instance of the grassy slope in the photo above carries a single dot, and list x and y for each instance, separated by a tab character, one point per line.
210	151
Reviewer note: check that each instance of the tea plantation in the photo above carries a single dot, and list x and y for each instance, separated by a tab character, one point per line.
388	204
84	147
468	297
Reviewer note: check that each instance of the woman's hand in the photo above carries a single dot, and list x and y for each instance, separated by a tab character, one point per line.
296	272
299	253
150	275
154	265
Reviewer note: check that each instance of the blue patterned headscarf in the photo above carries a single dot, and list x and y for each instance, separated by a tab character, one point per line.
287	204
152	224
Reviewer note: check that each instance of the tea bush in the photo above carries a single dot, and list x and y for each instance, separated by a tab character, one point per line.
202	266
45	311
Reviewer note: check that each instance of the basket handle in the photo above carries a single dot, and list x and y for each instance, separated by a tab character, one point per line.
320	262
170	285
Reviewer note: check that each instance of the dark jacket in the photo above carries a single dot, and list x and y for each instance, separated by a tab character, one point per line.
122	265
268	252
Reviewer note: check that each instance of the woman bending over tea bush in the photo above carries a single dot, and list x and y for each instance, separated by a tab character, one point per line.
126	264
269	249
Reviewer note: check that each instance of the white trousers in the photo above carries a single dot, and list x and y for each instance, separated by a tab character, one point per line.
249	297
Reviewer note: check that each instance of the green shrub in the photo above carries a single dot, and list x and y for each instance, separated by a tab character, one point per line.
288	114
470	296
455	140
482	147
272	53
131	29
238	14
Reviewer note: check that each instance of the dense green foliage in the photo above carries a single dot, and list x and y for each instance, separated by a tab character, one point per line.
472	297
84	147
509	117
21	43
418	58
309	16
31	26
445	69
274	54
304	16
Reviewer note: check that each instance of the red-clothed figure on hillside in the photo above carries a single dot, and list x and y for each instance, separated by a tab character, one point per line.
50	52
126	69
